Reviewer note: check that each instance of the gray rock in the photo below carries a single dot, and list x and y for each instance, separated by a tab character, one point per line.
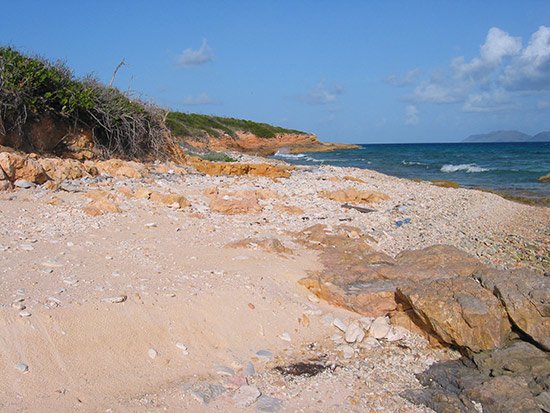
22	367
249	369
23	183
224	370
206	392
246	396
264	354
268	404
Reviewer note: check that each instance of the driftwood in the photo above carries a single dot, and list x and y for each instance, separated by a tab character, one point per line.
358	208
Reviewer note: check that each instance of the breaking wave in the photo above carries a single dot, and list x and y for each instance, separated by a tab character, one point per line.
465	167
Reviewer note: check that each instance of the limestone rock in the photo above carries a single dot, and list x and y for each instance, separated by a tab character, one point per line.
169	199
460	311
545	178
16	166
61	169
121	169
265	244
526	297
100	207
234	168
232	205
355	196
380	328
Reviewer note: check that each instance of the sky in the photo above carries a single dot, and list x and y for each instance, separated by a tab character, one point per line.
349	71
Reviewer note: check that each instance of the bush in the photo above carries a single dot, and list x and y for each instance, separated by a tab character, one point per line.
32	88
217	157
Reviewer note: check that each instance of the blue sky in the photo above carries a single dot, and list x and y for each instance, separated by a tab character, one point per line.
352	71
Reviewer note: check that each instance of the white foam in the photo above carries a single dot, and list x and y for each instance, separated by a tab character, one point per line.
289	155
465	167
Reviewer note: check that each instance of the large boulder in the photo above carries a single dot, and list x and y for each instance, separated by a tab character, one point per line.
61	169
459	311
526	297
236	168
17	166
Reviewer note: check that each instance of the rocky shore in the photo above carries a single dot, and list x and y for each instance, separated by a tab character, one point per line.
257	286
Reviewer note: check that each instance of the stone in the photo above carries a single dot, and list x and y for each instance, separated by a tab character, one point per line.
339	324
249	370
62	169
121	169
380	328
246	396
169	199
206	392
24	314
264	354
224	370
347	351
545	178
231	206
23	183
354	196
354	333
16	166
152	353
285	337
22	367
115	300
234	168
100	207
265	244
526	298
266	404
459	311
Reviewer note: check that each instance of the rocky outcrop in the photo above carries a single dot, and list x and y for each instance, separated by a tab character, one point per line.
545	178
26	167
239	169
355	196
526	297
264	244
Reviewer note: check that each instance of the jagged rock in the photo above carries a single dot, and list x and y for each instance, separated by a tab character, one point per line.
289	209
380	328
227	205
61	169
545	178
526	297
169	199
16	166
266	244
355	196
234	168
121	169
460	312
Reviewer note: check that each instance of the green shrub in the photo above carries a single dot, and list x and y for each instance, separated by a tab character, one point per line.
32	88
217	157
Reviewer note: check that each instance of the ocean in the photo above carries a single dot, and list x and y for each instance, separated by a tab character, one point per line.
509	168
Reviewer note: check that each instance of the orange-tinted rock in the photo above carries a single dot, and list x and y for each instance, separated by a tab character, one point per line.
289	209
121	169
460	311
355	196
61	169
18	166
231	206
235	168
169	199
354	179
101	206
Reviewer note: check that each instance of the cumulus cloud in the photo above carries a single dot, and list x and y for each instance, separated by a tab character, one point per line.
411	115
200	99
321	94
531	71
190	57
407	79
502	72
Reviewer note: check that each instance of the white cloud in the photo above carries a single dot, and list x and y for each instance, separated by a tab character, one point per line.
320	94
485	102
531	71
200	99
190	57
403	80
411	115
436	93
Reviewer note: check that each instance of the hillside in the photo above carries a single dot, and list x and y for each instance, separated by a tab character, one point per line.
508	136
207	132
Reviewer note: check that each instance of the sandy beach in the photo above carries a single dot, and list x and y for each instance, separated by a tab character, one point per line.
155	307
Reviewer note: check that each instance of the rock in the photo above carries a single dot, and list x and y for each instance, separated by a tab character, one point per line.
340	325
313	298
23	183
266	404
150	225
354	333
229	206
152	353
380	328
26	247
289	209
61	169
22	367
264	354
206	392
230	168
347	351
169	199
526	298
246	396
354	196
183	348
24	314
115	300
366	322
121	169
16	166
545	178
224	370
102	203
249	369
285	337
459	311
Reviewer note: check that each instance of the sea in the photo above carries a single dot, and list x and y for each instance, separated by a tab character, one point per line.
508	168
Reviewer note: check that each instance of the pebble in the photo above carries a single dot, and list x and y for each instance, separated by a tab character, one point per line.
3	248
266	404
26	247
115	300
224	371
340	325
19	306
152	353
366	322
313	298
183	348
70	281
327	319
347	351
23	183
246	396
249	369
285	336
22	367
354	333
206	392
337	338
150	225
264	354
25	313
380	328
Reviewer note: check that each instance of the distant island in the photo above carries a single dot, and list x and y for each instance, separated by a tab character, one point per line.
509	136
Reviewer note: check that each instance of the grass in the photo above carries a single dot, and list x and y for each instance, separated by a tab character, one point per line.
32	88
200	126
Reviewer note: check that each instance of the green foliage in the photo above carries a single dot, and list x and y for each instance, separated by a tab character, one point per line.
195	125
217	157
31	88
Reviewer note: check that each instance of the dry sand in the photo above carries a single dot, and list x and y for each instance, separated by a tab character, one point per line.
194	314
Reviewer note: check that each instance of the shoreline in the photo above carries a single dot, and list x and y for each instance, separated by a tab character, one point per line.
152	287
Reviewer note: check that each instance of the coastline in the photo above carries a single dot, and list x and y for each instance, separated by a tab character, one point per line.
130	304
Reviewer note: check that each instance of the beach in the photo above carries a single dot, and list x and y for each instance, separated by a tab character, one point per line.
115	297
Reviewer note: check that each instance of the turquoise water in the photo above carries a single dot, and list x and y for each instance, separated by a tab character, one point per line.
513	168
